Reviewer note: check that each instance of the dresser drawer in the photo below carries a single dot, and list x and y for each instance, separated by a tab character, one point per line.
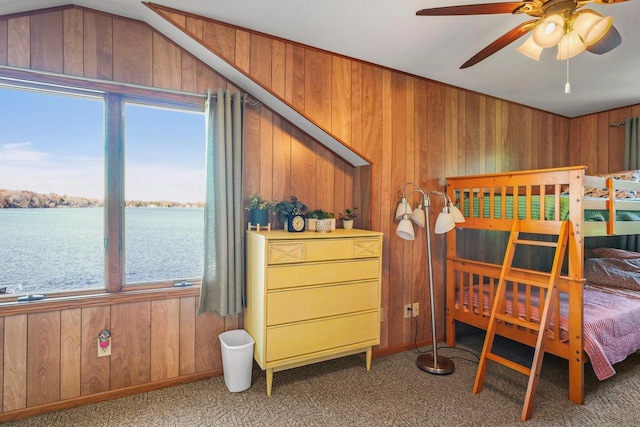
286	276
314	336
320	301
312	250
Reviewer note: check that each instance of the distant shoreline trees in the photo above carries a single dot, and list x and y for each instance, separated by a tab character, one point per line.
24	199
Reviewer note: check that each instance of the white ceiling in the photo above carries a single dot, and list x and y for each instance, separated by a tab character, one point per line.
388	33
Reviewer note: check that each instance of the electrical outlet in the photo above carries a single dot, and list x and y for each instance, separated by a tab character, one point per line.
104	347
415	309
407	311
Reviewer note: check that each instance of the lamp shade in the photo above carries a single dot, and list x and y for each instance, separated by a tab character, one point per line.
405	229
570	46
549	32
444	222
591	26
455	213
403	208
530	49
418	217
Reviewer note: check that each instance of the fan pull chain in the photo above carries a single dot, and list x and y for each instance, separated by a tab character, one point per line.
567	86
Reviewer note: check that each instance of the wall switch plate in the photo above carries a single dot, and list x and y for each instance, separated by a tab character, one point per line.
407	311
104	347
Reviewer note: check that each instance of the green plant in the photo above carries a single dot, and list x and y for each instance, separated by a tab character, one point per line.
257	202
286	207
348	214
319	214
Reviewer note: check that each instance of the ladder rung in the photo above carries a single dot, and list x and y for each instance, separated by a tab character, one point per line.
518	322
535	243
509	363
531	282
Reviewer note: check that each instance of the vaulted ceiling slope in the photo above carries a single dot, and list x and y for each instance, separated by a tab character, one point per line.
389	33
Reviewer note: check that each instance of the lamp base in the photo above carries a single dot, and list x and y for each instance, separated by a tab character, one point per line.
443	366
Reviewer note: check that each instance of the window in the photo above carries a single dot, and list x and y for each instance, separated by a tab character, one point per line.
51	191
61	230
164	193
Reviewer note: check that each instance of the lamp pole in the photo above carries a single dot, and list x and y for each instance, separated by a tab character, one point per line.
431	362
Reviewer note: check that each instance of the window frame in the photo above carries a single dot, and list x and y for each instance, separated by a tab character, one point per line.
114	96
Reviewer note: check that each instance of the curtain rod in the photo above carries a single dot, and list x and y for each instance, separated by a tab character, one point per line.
19	74
616	124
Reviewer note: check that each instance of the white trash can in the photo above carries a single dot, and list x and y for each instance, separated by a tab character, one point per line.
237	359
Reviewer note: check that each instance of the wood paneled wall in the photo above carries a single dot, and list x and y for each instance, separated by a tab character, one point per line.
412	129
48	355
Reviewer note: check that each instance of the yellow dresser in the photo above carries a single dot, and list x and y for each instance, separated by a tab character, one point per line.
312	296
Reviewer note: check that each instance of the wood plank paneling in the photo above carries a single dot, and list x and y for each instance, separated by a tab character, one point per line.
70	352
46	42
187	335
14	390
19	39
43	367
132	53
220	39
167	65
130	344
317	87
208	326
73	42
165	339
4	42
98	46
94	370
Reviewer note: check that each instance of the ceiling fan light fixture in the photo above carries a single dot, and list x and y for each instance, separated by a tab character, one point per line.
530	49
570	46
591	26
549	32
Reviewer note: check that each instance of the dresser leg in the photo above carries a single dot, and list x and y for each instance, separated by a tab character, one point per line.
368	358
269	381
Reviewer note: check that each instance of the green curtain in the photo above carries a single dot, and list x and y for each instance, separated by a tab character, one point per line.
222	289
631	161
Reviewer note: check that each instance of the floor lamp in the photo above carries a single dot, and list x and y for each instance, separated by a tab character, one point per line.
429	362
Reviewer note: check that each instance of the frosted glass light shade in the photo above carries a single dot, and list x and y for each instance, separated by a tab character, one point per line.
455	213
530	49
591	26
570	46
418	217
403	208
444	222
405	229
549	32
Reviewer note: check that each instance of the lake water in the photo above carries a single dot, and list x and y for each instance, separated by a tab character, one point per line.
53	249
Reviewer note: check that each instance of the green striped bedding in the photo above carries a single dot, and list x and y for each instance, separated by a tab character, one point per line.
549	209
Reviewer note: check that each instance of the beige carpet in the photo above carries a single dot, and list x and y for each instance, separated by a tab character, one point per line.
394	393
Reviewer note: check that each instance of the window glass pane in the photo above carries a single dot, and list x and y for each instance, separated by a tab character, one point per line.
51	191
164	193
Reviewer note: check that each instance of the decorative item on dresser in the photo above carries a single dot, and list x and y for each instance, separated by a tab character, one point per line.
259	209
347	218
429	362
312	296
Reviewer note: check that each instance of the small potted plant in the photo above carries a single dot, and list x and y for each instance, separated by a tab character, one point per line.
286	208
347	218
259	208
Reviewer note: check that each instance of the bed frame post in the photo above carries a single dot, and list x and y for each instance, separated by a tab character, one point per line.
450	280
576	273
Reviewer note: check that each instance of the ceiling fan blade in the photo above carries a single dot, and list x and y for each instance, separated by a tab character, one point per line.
472	9
501	42
609	41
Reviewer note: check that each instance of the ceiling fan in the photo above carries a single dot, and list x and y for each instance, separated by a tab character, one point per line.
557	23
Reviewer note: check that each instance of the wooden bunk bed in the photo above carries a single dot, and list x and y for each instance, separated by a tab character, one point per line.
490	202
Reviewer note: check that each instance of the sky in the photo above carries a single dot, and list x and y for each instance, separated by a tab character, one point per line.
55	144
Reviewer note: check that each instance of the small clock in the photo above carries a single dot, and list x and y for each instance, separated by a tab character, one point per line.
295	221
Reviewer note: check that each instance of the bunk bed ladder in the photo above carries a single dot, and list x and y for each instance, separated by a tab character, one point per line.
548	288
